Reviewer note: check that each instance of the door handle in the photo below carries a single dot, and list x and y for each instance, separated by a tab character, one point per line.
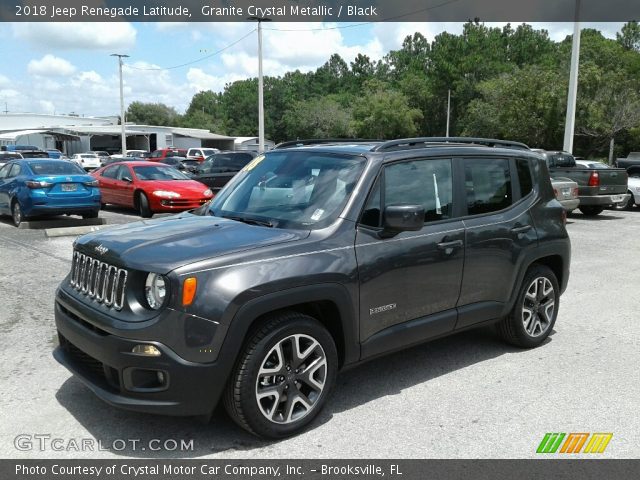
449	247
523	229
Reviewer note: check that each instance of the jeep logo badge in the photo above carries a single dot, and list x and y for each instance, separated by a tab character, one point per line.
101	249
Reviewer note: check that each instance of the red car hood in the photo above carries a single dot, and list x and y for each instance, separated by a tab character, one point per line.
186	188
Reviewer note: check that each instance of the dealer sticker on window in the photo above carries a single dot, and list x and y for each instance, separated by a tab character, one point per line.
317	215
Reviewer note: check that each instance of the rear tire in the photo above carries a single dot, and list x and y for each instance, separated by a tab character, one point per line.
143	206
16	213
283	376
591	211
92	214
535	311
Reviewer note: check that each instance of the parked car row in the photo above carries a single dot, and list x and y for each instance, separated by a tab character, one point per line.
599	186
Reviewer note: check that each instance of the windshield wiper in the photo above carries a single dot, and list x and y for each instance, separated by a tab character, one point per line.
250	221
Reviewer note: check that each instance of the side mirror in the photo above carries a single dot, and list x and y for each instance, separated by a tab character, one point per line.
403	218
127	179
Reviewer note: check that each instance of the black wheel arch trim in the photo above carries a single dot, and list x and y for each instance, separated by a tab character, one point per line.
244	319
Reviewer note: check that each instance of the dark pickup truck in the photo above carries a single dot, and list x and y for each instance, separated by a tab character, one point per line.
632	160
597	187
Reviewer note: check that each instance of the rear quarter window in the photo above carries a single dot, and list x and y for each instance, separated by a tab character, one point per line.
524	176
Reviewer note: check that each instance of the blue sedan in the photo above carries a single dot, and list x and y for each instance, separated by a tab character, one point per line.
33	187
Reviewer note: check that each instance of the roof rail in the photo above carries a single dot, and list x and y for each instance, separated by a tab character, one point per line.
322	141
409	143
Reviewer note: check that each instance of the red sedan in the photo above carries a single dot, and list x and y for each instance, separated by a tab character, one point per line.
150	188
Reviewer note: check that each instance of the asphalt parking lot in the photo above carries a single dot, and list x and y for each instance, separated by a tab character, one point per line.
466	396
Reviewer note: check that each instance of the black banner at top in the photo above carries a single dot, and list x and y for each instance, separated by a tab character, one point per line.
318	10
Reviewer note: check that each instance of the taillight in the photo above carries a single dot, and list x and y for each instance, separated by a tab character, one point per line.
555	192
92	183
574	191
594	179
564	217
33	184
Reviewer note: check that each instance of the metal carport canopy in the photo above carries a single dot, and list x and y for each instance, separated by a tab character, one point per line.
12	136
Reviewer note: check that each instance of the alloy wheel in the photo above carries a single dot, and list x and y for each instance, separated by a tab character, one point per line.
538	306
291	379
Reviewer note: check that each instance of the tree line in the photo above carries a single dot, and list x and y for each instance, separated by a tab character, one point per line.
508	83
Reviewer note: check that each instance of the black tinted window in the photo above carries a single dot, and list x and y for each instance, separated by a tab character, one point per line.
421	182
371	212
561	160
488	185
4	171
524	176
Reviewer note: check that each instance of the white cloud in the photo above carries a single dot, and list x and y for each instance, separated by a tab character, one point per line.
4	81
77	36
47	106
51	66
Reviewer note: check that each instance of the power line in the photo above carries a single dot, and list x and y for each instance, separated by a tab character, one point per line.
194	61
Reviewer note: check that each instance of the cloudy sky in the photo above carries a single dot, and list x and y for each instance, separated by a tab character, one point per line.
63	68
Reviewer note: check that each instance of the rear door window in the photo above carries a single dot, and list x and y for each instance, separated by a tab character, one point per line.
487	184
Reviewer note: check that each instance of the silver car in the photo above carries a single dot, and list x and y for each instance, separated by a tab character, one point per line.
566	191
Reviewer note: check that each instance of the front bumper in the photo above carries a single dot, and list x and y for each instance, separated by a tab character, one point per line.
603	200
176	205
104	362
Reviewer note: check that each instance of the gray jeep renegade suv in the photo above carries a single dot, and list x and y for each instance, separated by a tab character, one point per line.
316	256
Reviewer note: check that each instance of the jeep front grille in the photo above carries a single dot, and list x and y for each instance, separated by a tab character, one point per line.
98	280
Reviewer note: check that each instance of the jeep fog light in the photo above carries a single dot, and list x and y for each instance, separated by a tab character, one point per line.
146	350
155	290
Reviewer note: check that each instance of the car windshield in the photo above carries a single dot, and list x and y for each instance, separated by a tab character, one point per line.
562	160
290	189
176	153
89	155
55	168
155	172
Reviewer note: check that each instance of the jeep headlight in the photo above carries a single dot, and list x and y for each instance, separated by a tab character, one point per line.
155	290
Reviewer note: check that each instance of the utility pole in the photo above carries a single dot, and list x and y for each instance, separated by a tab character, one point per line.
122	130
570	121
448	111
260	83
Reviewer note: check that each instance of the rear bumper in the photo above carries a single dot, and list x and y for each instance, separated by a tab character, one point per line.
603	200
104	363
63	209
570	205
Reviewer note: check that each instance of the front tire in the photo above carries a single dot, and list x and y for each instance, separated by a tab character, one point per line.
535	311
283	377
591	211
143	206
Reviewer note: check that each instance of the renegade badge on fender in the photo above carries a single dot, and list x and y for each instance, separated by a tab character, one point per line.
317	255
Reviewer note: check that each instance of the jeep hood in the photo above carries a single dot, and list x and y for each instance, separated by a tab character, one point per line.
165	244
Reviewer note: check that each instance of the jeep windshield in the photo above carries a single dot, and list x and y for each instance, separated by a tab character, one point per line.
290	189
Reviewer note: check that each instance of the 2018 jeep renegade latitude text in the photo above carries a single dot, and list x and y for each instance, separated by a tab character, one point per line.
314	257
